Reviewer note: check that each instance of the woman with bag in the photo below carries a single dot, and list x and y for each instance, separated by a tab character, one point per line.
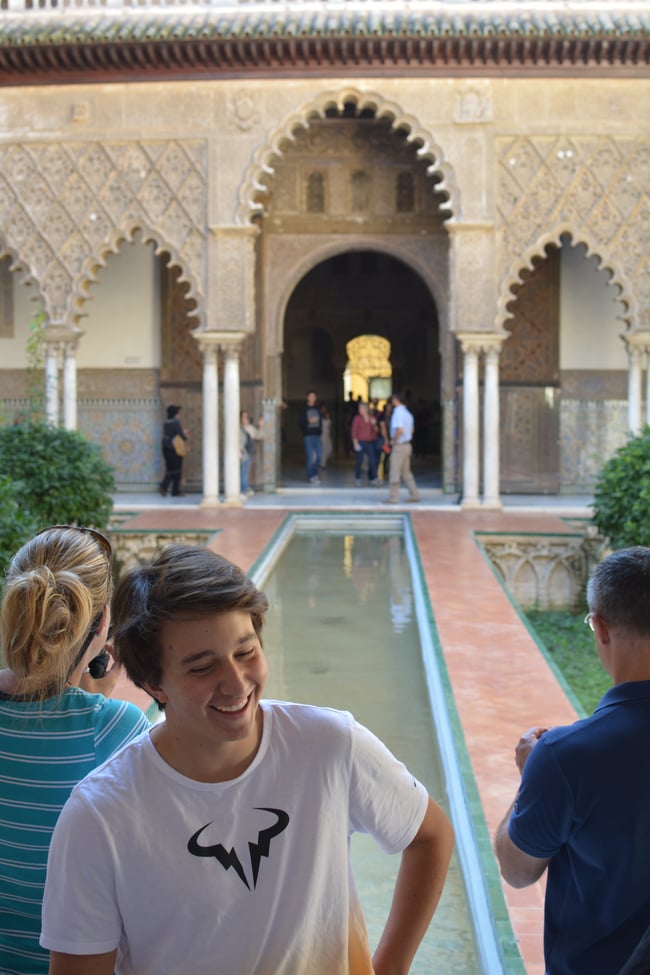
174	448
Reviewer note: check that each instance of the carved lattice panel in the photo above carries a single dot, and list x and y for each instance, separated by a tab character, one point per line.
597	187
64	206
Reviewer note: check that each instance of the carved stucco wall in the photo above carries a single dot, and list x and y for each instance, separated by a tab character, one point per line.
64	206
595	188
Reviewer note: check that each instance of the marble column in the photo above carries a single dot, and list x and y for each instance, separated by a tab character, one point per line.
470	497
70	382
491	484
52	353
208	344
635	355
231	349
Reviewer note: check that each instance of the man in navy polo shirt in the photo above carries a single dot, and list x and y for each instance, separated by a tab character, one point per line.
583	806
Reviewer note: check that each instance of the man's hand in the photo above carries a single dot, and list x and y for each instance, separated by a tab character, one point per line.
526	744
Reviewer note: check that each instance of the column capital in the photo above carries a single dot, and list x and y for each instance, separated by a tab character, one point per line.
488	342
637	340
209	340
59	332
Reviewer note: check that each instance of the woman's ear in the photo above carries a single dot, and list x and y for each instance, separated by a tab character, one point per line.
104	626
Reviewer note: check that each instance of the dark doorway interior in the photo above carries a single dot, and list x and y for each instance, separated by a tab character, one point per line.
361	292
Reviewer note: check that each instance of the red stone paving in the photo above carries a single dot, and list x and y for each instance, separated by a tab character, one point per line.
502	685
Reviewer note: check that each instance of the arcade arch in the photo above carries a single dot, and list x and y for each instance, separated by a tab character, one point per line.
565	321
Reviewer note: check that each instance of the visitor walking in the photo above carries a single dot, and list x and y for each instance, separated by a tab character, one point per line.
174	448
401	435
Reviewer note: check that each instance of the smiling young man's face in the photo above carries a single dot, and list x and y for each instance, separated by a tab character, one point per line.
214	674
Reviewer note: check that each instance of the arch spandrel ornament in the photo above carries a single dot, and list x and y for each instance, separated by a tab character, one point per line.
595	189
253	186
65	206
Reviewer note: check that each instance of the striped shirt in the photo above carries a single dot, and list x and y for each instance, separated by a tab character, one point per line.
46	747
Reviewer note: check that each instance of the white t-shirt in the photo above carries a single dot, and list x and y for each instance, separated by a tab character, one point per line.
247	877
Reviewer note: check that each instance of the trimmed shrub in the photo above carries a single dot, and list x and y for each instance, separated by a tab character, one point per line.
16	523
64	477
622	494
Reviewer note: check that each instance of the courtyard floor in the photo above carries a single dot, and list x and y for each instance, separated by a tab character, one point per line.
501	683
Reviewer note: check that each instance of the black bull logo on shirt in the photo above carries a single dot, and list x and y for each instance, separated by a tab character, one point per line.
229	858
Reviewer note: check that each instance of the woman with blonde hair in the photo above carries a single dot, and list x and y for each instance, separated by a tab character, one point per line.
56	721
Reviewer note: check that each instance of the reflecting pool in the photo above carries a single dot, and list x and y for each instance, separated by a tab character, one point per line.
342	631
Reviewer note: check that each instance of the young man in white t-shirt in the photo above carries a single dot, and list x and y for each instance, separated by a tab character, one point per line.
218	844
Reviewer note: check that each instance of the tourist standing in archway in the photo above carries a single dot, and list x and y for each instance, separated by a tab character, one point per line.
311	427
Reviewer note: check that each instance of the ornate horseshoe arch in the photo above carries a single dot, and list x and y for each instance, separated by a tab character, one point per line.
253	187
111	245
537	250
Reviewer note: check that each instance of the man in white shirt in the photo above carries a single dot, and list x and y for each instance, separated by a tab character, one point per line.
219	843
401	435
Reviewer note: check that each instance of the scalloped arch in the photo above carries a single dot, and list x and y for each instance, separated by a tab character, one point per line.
606	260
21	268
88	273
428	149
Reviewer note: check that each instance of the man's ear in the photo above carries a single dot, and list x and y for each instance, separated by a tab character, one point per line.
156	693
601	628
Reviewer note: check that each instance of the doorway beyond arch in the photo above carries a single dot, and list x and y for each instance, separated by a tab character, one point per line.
362	293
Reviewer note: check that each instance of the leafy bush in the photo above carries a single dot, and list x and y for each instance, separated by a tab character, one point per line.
64	478
16	523
622	494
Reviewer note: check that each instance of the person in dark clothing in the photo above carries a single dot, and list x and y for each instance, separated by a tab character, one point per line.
173	460
583	804
310	423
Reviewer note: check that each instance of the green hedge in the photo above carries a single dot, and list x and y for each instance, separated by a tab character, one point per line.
49	476
622	494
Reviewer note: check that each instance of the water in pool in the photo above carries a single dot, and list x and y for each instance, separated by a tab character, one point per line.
341	631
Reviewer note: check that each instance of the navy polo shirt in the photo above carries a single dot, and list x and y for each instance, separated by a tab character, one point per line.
584	801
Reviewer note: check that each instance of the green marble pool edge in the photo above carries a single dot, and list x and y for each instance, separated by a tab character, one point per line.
504	937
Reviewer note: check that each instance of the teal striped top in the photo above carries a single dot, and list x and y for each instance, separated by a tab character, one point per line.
46	747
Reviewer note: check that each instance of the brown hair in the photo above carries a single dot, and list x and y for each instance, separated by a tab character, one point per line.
182	581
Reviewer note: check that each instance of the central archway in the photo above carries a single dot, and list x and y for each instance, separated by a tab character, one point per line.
356	293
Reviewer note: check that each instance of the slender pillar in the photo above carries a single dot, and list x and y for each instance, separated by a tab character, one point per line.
491	497
210	426
634	390
52	382
470	426
231	463
70	383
